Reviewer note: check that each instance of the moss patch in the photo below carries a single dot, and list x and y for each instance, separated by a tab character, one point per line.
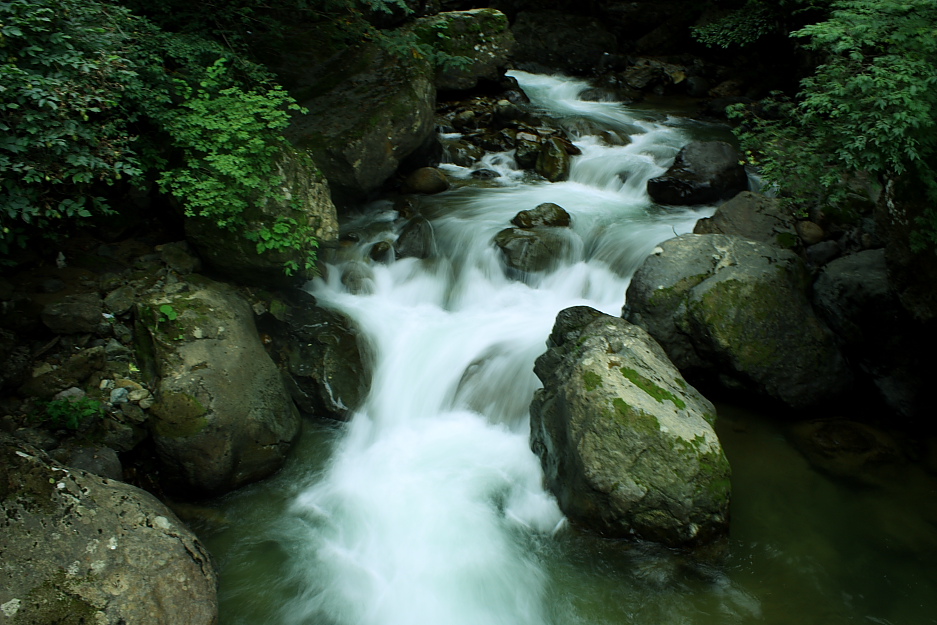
591	380
646	385
178	415
634	418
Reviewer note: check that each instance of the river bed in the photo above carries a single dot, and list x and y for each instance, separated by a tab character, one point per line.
427	507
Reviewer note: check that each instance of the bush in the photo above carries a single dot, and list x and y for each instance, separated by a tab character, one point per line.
92	95
870	107
70	414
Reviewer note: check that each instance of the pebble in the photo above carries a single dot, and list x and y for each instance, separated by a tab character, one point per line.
137	394
119	396
130	385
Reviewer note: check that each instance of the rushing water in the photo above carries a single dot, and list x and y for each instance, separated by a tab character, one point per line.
427	507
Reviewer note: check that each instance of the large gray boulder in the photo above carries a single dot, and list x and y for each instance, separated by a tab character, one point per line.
368	109
752	216
305	202
704	172
739	309
77	548
627	446
480	35
222	418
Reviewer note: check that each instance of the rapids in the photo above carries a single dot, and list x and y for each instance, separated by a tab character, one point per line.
427	507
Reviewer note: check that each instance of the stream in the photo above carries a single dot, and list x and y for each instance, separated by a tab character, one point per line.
427	507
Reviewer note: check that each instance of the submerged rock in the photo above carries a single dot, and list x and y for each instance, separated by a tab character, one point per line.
738	309
78	548
627	446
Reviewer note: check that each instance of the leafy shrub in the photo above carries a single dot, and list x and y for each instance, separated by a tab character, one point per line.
70	414
870	107
92	95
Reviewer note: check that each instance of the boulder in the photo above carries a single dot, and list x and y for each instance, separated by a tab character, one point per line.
564	41
481	35
754	217
79	548
425	180
739	309
305	201
327	363
533	249
222	418
416	239
368	109
627	446
546	214
704	172
553	160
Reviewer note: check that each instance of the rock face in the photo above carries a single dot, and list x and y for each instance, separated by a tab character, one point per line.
738	308
78	548
752	216
482	35
703	172
626	445
368	110
306	200
558	40
222	417
327	365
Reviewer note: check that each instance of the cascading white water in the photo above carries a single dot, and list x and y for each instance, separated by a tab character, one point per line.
432	503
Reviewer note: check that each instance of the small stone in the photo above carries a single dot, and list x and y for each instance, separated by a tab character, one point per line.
119	396
147	402
809	232
137	394
70	393
130	385
106	384
120	300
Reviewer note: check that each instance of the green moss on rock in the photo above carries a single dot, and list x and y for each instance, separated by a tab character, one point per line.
178	415
646	385
591	380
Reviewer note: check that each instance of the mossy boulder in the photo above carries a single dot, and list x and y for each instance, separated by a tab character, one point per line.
222	416
627	446
77	548
305	200
738	310
481	36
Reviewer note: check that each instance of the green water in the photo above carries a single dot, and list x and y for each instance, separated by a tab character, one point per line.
804	548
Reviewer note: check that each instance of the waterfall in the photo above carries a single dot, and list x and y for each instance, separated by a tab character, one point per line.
432	508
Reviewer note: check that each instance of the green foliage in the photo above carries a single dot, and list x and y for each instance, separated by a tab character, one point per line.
70	414
753	21
870	107
92	95
168	312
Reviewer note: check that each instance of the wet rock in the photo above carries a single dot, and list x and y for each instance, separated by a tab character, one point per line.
627	446
738	309
327	363
553	161
703	172
426	180
546	214
485	174
79	548
526	152
74	314
416	239
222	418
382	252
534	249
754	217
